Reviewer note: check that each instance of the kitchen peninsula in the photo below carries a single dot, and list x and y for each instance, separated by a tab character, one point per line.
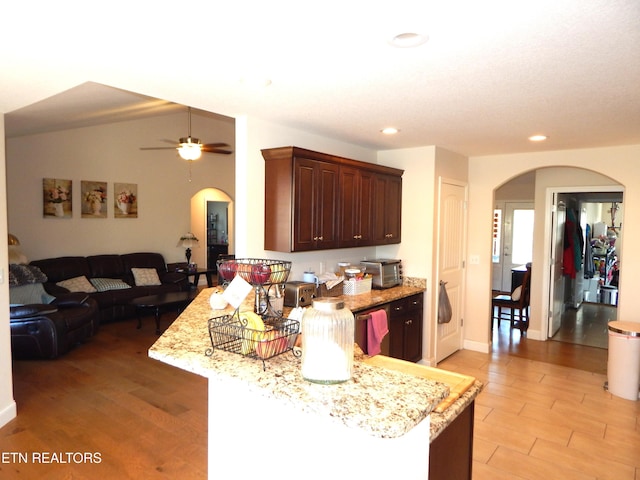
271	423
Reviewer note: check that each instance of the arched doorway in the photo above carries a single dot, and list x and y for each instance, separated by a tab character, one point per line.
200	220
539	186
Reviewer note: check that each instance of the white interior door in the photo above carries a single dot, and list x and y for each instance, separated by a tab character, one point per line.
518	239
556	282
451	252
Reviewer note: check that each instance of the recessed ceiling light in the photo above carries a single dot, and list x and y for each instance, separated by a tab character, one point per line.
255	81
390	131
409	40
538	138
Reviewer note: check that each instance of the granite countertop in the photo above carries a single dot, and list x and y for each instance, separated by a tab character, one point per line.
365	301
387	412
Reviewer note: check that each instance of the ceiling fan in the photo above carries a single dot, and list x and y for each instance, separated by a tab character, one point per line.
191	148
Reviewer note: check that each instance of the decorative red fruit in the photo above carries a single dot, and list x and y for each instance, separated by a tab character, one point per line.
260	273
272	343
228	270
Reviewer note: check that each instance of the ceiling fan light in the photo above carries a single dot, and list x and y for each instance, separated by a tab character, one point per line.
189	150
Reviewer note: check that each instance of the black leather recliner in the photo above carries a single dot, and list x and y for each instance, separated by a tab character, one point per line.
47	331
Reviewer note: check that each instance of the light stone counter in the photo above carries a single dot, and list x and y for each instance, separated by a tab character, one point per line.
374	298
379	402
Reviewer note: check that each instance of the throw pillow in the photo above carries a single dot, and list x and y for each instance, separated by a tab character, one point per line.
105	284
515	296
29	294
23	274
77	284
145	276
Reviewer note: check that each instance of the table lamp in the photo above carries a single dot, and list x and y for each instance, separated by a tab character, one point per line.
15	254
187	241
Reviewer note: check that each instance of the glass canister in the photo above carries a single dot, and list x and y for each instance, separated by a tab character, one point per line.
327	341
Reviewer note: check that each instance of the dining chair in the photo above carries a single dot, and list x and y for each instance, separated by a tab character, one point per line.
517	305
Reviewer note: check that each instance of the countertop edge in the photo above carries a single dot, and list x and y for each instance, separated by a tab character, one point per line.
440	421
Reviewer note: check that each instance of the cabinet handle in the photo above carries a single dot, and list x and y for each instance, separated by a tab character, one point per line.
320	238
408	322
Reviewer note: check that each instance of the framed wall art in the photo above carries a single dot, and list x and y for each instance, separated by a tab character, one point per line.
94	199
56	198
125	200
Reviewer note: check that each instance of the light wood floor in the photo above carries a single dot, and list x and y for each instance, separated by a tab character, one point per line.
534	419
541	420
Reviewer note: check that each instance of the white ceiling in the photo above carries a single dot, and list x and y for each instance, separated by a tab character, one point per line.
492	73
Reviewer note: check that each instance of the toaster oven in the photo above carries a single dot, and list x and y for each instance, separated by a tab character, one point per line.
385	272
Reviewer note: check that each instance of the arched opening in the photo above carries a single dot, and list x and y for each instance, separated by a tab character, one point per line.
205	205
584	296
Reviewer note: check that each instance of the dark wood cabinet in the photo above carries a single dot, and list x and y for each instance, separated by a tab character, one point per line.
405	328
356	207
387	209
451	454
315	206
316	201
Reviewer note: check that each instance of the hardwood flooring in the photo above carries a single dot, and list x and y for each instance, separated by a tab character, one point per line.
543	413
145	419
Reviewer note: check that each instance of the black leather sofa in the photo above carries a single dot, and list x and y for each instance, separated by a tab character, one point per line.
49	330
112	304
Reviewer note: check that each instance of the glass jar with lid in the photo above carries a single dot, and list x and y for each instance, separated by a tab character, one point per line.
327	341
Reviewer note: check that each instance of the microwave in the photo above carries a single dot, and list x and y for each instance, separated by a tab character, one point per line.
385	272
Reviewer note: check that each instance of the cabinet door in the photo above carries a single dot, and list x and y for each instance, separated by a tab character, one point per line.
393	213
405	328
413	329
315	205
397	312
356	207
304	221
387	209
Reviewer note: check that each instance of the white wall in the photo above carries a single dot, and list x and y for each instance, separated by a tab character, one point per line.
620	164
7	404
111	153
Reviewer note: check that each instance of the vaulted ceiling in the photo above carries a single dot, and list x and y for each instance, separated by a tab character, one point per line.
491	74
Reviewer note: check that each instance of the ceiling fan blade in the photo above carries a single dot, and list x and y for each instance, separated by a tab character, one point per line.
158	148
172	142
215	145
216	150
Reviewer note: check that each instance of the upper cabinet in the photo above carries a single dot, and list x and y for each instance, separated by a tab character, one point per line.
315	205
387	209
316	201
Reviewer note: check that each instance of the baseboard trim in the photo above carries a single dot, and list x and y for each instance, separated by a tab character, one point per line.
8	413
482	347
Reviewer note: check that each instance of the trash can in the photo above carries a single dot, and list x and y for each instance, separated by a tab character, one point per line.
609	295
623	365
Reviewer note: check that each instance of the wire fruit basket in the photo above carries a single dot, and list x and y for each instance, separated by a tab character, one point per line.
256	271
231	333
266	275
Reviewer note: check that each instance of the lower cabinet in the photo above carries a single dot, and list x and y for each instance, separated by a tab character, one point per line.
405	328
450	455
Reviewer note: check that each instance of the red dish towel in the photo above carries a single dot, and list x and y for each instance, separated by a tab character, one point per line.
377	329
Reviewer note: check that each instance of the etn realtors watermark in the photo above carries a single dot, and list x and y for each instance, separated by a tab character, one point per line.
51	457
